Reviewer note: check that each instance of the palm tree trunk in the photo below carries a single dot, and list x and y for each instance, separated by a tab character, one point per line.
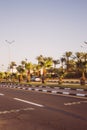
28	76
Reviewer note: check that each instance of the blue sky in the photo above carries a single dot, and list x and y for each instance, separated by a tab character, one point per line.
47	27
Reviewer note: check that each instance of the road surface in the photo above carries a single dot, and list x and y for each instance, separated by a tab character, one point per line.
30	110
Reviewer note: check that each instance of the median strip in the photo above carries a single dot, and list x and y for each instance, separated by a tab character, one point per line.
47	89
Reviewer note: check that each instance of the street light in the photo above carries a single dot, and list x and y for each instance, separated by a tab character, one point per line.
82	80
83	46
85	42
9	42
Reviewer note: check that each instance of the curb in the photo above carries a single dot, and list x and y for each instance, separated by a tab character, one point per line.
40	89
56	92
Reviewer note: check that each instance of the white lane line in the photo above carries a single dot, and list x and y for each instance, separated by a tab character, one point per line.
1	94
15	110
74	103
32	103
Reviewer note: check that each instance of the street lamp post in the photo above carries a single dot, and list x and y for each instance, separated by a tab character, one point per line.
85	42
82	79
9	51
86	54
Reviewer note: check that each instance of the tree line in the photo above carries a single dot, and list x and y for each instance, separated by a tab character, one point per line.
68	66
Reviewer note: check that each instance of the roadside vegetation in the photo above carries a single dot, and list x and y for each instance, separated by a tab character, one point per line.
69	66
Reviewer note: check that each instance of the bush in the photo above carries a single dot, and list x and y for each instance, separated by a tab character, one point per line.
72	75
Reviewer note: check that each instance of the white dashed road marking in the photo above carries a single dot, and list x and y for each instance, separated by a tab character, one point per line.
74	103
15	110
1	94
32	103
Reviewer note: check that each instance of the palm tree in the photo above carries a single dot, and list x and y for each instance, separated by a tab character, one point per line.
44	63
79	64
23	62
56	62
36	70
28	67
12	65
67	56
85	61
78	55
20	70
63	61
40	59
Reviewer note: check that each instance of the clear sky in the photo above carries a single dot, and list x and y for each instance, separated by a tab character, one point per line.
47	27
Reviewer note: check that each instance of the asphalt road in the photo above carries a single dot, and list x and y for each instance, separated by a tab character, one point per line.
31	110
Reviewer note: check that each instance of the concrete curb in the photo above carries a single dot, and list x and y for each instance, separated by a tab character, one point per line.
56	92
45	89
